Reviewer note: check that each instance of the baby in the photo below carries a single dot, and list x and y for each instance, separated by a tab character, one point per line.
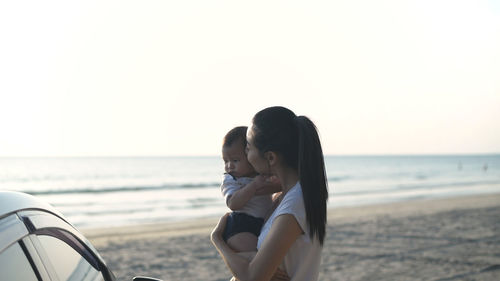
241	188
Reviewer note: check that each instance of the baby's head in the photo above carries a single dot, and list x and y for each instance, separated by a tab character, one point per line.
234	155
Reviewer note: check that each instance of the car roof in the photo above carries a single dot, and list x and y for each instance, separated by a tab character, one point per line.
13	201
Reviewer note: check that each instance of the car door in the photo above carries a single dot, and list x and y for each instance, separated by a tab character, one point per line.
65	252
41	246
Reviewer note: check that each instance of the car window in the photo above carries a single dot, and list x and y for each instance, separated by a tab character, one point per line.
14	265
68	263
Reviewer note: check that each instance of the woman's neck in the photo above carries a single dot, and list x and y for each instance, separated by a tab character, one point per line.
288	178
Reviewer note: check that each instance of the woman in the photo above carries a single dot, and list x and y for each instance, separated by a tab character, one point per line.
287	146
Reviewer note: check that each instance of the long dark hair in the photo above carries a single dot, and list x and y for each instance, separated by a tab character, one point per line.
296	139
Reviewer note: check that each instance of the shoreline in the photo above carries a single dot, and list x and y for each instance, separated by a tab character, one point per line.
100	235
440	239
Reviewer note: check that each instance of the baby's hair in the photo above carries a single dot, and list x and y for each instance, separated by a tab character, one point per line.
236	134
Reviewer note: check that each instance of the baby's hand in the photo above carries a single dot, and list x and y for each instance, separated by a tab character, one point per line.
267	184
273	179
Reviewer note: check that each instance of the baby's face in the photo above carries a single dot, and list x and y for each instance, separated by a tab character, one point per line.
236	162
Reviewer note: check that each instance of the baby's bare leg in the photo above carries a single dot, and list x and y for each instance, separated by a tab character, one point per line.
247	255
243	242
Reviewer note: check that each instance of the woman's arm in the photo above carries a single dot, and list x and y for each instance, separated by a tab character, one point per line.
284	231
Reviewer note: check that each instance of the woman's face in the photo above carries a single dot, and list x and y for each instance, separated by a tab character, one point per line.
254	156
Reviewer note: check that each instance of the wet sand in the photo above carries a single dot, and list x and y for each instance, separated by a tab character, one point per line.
441	239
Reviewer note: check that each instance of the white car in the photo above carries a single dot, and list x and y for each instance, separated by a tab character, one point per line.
38	244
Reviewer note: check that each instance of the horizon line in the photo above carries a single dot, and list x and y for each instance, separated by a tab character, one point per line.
215	155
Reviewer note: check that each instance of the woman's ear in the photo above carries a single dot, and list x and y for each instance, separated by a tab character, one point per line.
271	158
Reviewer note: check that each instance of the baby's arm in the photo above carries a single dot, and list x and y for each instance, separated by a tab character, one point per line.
260	185
241	196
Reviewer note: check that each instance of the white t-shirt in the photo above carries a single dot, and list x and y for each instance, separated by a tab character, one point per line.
257	206
303	259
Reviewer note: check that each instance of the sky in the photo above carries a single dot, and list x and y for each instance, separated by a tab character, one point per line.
170	78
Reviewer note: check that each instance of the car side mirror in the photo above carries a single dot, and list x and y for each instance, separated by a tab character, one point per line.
143	278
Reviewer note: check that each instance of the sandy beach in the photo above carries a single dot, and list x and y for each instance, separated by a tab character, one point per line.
441	239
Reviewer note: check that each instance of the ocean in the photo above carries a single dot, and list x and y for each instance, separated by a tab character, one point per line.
116	191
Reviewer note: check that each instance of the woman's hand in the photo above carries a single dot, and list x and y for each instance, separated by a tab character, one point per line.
280	275
216	235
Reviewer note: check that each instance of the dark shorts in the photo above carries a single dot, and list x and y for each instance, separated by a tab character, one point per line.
241	222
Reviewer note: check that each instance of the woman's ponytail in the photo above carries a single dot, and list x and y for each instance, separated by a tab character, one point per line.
312	173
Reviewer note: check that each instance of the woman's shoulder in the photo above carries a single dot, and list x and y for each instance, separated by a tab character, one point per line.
293	202
294	195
